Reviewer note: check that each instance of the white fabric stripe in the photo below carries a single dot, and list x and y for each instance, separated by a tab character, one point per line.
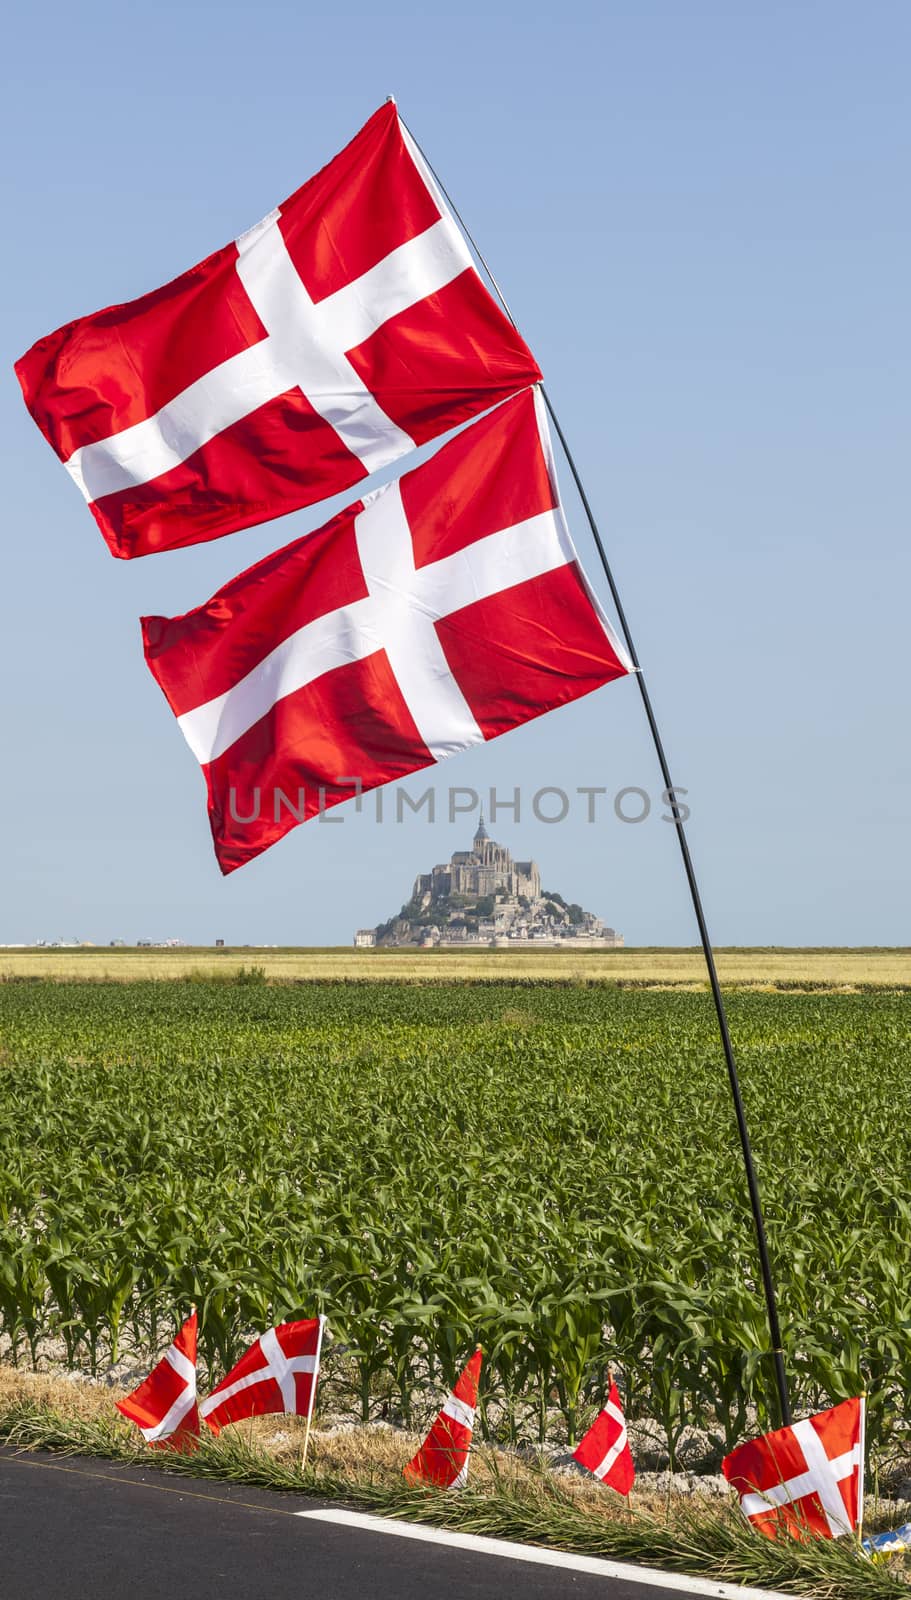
296	1364
178	1408
821	1478
615	1412
538	1555
461	1477
215	401
182	1365
458	1411
500	561
407	275
310	345
305	348
172	1418
281	1370
441	713
330	641
616	1450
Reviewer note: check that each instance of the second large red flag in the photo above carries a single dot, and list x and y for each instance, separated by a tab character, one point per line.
440	611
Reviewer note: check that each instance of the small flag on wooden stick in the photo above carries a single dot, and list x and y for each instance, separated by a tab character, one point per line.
605	1450
443	1457
164	1406
278	1373
806	1479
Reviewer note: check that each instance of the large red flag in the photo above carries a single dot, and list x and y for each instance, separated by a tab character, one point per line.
443	1457
807	1478
438	612
278	1373
164	1406
605	1450
345	328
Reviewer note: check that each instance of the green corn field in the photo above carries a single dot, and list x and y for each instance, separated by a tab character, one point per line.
553	1170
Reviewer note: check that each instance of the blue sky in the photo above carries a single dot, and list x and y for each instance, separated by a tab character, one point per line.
699	215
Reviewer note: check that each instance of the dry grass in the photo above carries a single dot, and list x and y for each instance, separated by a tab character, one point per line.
506	1498
349	1454
837	969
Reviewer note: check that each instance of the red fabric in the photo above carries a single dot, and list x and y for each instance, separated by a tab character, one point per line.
490	477
786	1484
443	1457
278	1373
166	1393
513	654
200	655
352	721
528	650
429	365
605	1450
102	373
231	483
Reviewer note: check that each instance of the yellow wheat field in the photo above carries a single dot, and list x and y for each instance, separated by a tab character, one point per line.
833	969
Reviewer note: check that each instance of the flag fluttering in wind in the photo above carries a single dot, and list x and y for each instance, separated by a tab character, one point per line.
164	1406
605	1450
443	1457
278	1373
440	611
804	1479
344	329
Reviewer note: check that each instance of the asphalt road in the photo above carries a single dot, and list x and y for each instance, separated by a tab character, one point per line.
76	1529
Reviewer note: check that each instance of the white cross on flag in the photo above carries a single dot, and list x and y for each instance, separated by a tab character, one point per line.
605	1450
164	1406
344	329
804	1479
278	1373
437	612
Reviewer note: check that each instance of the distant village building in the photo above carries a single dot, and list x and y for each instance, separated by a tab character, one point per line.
482	896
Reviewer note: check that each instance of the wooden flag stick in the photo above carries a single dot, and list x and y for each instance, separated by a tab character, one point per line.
863	1468
313	1394
670	789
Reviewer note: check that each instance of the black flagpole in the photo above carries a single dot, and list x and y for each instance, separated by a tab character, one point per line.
670	790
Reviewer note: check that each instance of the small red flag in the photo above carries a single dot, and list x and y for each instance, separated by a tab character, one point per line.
605	1448
804	1479
443	1457
278	1373
164	1406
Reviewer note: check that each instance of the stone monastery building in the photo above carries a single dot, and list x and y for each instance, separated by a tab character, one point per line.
482	896
482	870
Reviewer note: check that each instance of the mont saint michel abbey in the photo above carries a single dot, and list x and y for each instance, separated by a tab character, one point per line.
482	870
483	896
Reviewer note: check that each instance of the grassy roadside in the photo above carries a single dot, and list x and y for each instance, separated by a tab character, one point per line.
506	1497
